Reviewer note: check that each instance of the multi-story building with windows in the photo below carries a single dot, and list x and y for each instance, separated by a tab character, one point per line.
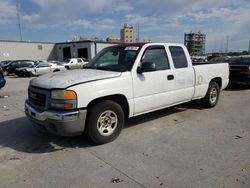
195	43
128	34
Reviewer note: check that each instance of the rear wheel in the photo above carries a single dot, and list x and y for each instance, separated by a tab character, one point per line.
105	122
212	95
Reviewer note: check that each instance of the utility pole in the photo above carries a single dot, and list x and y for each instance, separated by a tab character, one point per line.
138	32
227	40
249	48
19	20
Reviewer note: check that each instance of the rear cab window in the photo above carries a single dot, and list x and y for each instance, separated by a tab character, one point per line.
178	56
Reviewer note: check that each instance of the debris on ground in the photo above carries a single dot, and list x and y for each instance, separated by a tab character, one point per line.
14	158
116	180
3	96
238	137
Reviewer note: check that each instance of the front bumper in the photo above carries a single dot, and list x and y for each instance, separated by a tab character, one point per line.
61	123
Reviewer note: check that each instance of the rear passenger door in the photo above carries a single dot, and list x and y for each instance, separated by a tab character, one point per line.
183	75
79	63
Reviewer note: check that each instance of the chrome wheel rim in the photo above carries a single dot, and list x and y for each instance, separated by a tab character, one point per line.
213	95
107	123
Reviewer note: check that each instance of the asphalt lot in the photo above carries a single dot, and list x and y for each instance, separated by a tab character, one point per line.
184	146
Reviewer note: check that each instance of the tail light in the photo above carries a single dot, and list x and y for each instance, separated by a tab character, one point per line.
245	70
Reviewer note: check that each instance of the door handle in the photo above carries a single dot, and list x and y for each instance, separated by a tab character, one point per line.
170	77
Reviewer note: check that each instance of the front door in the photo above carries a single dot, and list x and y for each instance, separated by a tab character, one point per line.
152	90
43	68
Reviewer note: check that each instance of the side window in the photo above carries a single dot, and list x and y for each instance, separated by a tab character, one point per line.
43	65
79	60
158	56
179	57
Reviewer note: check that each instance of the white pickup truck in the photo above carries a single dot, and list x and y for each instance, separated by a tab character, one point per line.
122	81
75	63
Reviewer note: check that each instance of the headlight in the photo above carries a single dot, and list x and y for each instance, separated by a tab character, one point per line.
63	99
63	94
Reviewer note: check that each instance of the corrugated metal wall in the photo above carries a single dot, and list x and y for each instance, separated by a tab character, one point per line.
27	50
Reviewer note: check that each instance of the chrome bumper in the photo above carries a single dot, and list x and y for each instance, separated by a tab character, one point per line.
57	122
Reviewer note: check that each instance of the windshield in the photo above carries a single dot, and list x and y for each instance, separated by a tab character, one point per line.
67	60
116	58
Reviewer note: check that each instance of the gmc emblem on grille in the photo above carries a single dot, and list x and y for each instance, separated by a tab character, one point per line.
33	95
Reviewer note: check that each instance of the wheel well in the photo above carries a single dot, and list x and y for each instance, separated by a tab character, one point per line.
120	99
218	80
56	70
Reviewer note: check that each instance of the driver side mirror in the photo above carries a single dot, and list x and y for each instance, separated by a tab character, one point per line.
146	67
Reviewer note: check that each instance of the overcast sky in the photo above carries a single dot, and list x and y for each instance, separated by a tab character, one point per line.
159	20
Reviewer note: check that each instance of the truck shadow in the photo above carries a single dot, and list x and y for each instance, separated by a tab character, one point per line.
20	135
237	87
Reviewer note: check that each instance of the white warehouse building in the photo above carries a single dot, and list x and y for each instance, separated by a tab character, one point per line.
17	50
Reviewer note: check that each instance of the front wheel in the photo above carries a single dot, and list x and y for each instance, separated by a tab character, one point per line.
212	95
105	122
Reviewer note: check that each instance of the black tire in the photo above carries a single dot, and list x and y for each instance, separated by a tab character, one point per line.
56	70
212	95
67	67
98	119
28	74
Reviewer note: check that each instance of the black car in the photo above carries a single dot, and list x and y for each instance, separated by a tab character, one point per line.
11	67
2	80
240	70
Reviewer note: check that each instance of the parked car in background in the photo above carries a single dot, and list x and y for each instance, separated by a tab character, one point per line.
75	63
4	63
240	71
11	67
41	68
2	80
21	72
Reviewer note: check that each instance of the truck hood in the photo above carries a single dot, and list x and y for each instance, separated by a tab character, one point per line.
64	79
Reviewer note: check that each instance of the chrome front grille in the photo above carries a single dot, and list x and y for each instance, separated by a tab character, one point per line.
38	98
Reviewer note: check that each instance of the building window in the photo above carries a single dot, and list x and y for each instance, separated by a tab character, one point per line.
39	47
